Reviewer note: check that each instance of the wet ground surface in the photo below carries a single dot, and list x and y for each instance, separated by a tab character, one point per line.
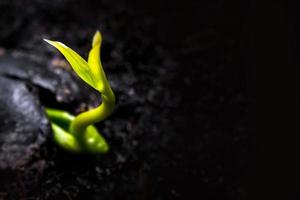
179	128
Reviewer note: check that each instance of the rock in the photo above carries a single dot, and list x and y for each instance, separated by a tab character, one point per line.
55	85
23	125
26	87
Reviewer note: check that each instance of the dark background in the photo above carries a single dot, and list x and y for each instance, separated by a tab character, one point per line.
272	58
237	122
264	64
266	58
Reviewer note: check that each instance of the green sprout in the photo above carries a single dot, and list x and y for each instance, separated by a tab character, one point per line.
76	133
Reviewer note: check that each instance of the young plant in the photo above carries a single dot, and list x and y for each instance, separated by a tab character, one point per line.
76	133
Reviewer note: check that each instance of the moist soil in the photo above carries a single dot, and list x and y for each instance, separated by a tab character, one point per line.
179	127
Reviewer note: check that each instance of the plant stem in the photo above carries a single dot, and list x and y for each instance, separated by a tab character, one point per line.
83	120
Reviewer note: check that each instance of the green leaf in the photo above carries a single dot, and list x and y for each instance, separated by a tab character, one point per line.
65	140
79	65
95	65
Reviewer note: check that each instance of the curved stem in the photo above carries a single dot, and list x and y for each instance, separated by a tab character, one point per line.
83	120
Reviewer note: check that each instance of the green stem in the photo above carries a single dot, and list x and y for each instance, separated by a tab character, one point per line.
83	120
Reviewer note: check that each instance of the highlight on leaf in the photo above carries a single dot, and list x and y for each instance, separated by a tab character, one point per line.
79	65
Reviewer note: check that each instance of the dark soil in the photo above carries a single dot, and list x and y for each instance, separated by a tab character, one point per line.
179	127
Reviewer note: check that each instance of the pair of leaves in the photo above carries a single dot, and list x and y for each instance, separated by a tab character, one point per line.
90	71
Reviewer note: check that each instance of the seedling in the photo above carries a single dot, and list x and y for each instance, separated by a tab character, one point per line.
77	133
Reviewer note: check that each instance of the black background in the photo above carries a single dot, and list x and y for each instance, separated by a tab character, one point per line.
268	53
